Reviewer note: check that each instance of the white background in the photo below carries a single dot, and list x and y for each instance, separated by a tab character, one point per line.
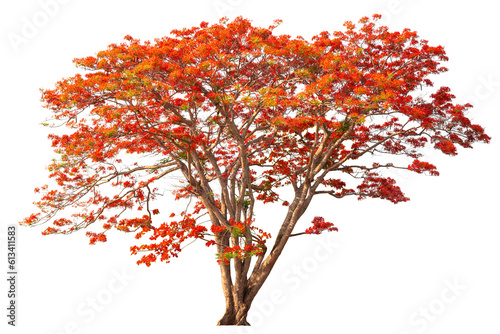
388	264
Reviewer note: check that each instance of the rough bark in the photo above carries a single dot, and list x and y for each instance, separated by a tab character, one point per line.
236	310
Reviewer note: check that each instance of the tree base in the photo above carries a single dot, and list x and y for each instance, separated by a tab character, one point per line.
229	319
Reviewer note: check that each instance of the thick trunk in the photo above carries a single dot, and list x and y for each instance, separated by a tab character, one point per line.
234	292
236	307
240	294
235	316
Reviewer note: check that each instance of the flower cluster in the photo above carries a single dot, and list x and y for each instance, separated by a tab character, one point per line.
422	166
172	235
240	252
240	230
319	225
95	237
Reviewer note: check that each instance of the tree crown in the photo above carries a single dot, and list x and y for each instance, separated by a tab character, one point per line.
237	112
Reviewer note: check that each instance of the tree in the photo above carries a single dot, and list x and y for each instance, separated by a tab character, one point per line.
242	117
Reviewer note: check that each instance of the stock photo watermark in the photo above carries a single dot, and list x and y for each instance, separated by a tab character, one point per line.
291	280
224	7
88	310
486	88
393	8
12	307
427	314
32	25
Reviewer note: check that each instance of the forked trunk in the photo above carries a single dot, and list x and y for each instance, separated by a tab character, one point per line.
234	293
235	317
236	309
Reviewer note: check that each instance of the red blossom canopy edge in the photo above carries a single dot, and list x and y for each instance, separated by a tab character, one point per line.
238	112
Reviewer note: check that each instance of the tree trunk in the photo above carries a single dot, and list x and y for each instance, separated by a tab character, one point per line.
234	293
235	316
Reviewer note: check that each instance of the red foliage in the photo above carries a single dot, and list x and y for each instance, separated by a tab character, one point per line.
422	166
96	237
235	113
381	187
319	225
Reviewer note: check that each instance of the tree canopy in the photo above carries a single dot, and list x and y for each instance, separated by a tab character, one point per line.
236	112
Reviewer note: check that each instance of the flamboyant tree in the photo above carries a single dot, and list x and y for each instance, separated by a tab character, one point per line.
236	112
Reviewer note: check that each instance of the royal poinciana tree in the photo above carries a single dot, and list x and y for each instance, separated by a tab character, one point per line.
240	116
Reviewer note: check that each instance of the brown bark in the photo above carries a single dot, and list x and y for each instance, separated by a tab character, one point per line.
240	294
236	309
235	316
